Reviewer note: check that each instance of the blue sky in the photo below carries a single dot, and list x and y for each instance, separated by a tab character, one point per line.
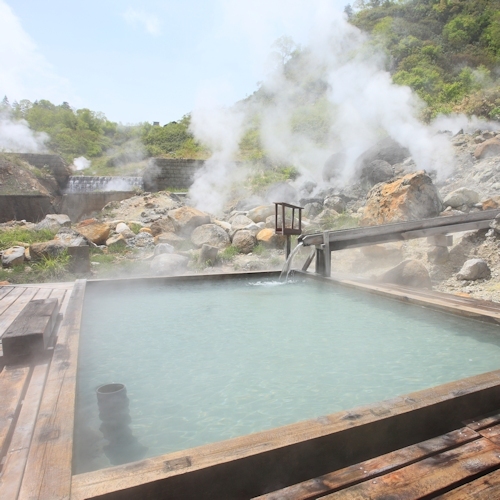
148	60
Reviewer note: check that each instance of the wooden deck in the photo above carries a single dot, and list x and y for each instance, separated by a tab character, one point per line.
35	440
435	443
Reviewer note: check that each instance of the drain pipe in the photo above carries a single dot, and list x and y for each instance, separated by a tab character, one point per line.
113	406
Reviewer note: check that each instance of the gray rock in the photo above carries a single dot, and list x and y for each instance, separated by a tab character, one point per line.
13	256
438	255
408	273
377	171
474	269
50	248
141	240
121	226
162	248
70	238
239	222
311	210
169	264
460	197
334	203
244	241
54	222
210	234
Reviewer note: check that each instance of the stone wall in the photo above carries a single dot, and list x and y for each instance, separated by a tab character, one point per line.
167	173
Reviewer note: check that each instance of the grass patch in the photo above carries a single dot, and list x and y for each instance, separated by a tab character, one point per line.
341	221
228	254
260	250
52	268
17	236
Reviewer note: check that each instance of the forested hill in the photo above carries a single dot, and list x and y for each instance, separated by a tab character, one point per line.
448	51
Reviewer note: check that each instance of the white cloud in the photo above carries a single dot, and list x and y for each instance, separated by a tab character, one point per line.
24	71
149	22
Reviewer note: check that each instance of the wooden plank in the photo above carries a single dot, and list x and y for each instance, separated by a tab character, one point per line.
5	290
13	469
48	468
484	488
372	468
431	476
483	422
9	299
12	384
42	293
30	332
15	308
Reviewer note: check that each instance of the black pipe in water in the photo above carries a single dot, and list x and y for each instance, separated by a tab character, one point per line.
123	446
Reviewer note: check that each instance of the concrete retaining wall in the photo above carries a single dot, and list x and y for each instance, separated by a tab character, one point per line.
32	208
79	205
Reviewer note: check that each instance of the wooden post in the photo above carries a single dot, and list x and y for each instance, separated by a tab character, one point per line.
327	255
288	245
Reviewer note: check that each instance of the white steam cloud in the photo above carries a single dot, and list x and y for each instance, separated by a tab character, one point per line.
17	137
340	76
81	163
220	129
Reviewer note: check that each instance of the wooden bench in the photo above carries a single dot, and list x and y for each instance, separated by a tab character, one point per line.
30	332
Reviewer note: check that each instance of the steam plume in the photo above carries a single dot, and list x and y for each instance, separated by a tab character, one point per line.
17	137
333	95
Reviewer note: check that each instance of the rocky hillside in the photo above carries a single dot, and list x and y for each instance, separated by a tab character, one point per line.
161	234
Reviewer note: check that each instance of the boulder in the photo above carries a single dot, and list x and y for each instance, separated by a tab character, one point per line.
495	224
146	230
116	241
410	197
488	148
70	238
239	222
261	213
95	231
13	256
474	269
164	225
377	171
244	241
490	203
210	234
53	222
326	217
268	238
408	273
163	248
334	203
128	233
223	224
45	249
121	226
460	197
387	150
208	255
170	238
188	219
311	210
141	240
169	264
